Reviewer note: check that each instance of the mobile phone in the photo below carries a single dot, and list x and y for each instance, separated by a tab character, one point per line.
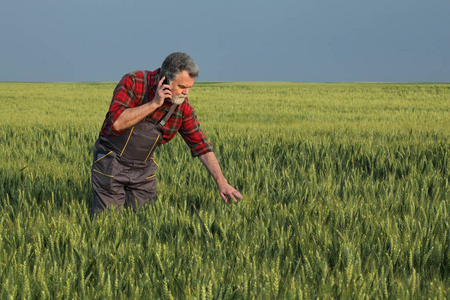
166	81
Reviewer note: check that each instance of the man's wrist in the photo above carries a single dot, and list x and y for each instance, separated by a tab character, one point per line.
221	180
153	104
156	102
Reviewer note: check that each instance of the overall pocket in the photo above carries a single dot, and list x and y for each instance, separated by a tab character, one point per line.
143	140
104	163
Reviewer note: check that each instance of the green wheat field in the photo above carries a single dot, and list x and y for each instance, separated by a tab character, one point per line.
346	195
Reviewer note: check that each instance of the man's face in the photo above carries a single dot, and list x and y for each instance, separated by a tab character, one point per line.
181	86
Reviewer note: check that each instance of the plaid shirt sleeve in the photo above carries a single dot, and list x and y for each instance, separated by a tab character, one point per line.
192	134
128	93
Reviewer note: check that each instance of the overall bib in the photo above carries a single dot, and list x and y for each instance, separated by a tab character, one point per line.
123	171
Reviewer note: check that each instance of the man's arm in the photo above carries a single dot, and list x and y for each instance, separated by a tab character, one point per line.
211	163
133	115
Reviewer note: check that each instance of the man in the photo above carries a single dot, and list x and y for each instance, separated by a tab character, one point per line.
147	110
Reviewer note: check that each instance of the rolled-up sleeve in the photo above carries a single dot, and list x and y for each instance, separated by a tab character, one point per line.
193	135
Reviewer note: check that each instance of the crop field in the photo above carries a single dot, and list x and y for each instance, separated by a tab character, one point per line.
346	195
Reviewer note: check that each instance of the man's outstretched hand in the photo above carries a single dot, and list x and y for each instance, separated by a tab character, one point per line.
226	190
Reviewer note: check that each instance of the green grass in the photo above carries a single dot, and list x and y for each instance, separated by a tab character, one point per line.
346	195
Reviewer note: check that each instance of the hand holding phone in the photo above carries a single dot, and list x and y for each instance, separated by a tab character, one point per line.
163	91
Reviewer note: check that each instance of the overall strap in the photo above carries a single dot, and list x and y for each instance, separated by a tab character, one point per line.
145	100
167	116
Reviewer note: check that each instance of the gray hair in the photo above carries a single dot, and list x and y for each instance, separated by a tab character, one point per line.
176	63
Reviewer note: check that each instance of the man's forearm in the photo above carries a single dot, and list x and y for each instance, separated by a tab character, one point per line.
225	190
131	116
211	163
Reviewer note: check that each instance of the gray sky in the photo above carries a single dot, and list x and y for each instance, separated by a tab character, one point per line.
231	40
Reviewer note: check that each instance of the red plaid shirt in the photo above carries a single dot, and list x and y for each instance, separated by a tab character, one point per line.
129	92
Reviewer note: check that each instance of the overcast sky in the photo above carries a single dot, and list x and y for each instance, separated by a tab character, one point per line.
231	40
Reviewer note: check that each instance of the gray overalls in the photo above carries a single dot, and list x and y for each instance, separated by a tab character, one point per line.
123	171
